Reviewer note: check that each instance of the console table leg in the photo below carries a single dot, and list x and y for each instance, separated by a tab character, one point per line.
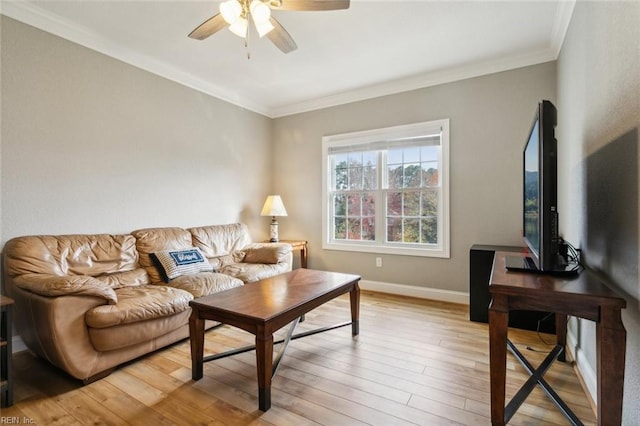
611	339
498	323
561	335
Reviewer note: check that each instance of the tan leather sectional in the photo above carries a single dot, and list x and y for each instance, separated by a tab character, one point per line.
88	303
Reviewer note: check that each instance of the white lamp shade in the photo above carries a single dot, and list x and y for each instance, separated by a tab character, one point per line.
260	11
239	27
273	206
263	28
230	11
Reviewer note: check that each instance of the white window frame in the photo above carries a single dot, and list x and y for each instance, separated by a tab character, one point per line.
396	133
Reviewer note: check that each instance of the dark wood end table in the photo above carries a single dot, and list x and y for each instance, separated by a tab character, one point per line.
262	308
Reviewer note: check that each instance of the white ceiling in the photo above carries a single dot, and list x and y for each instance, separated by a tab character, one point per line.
373	48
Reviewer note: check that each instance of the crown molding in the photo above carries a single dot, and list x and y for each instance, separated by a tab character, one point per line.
36	17
561	25
416	82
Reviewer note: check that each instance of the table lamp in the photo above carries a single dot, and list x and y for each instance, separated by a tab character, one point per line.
273	207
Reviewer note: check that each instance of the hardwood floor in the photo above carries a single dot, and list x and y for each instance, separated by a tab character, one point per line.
415	362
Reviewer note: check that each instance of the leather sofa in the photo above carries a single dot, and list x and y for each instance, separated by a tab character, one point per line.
88	303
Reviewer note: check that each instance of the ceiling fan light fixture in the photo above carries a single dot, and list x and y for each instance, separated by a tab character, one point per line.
239	27
263	28
231	10
260	12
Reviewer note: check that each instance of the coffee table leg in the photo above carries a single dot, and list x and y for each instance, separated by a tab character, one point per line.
354	297
196	334
264	362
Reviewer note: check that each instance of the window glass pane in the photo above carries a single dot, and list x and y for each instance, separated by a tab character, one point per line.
411	155
394	156
411	231
394	176
340	228
369	158
370	178
429	203
394	229
369	205
354	203
429	153
394	203
411	205
429	231
355	159
341	178
355	177
340	160
369	229
430	174
340	205
412	175
353	232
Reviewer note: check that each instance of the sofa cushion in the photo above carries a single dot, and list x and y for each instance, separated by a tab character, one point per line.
61	255
220	240
174	263
205	283
139	304
138	333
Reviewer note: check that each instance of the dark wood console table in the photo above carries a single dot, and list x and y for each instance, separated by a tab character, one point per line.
583	296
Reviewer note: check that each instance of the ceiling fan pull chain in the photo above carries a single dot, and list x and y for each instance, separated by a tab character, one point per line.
246	41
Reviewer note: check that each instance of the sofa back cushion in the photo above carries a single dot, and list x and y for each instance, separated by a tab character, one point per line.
63	255
220	240
153	240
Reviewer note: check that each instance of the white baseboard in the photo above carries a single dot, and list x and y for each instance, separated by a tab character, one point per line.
415	291
586	370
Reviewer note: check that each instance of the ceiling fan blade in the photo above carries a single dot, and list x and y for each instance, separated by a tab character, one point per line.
208	27
308	4
280	37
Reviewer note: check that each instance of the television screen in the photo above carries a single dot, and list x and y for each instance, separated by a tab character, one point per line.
532	191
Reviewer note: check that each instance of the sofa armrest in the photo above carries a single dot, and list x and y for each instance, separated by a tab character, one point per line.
267	253
54	285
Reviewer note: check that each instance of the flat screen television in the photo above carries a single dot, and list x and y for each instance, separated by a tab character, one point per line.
540	196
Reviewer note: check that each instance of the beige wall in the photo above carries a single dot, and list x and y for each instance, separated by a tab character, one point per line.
490	118
91	144
599	117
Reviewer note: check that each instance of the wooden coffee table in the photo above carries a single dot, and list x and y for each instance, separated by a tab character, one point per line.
262	308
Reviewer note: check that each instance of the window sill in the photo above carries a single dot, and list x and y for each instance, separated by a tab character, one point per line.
437	252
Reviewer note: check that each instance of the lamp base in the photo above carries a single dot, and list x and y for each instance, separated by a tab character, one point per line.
273	230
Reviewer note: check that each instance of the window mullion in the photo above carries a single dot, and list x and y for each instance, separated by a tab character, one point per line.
381	205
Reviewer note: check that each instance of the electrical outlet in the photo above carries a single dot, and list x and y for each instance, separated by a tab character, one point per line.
379	262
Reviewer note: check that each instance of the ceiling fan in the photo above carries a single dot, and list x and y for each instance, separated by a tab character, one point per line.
237	13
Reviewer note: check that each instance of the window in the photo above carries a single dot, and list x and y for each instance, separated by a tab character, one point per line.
387	190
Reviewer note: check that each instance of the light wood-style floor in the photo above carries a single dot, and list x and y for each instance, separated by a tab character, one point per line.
415	362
